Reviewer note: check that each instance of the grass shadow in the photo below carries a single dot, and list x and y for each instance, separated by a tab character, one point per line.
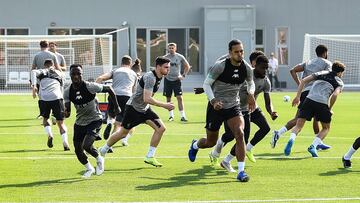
190	177
18	126
339	171
24	151
40	183
18	119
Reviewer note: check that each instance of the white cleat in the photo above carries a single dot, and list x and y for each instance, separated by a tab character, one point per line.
274	138
88	173
227	166
102	151
124	143
100	165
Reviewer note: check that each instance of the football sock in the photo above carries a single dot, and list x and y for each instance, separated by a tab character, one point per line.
316	142
228	158
151	152
241	166
88	166
48	131
292	136
182	113
249	146
282	130
349	154
195	146
171	113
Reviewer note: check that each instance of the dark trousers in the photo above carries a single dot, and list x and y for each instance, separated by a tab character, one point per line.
356	144
275	77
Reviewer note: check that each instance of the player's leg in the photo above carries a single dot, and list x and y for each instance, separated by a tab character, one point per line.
93	134
58	112
298	127
159	129
316	129
318	139
45	110
110	119
178	94
347	157
168	89
79	135
122	100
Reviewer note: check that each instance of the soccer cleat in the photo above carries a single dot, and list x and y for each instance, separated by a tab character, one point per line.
250	156
50	142
111	150
346	163
183	119
152	161
192	152
107	131
171	118
227	166
218	148
102	151
100	165
274	139
243	177
323	147
288	147
312	150
66	146
88	173
213	159
124	143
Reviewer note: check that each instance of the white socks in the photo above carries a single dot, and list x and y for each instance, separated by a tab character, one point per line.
88	166
282	130
348	155
109	120
217	149
241	166
316	142
64	137
106	147
151	152
48	131
182	113
127	137
228	158
292	136
249	147
195	146
171	113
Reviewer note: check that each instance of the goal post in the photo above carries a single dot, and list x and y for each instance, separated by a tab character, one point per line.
344	48
93	52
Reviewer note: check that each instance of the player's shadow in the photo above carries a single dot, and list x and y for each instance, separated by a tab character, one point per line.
279	156
41	183
129	170
18	126
190	177
339	171
24	151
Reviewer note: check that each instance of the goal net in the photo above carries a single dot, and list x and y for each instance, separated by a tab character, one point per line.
344	48
93	52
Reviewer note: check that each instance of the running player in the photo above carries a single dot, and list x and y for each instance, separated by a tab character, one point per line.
222	86
318	103
50	82
347	157
138	110
60	58
88	117
307	68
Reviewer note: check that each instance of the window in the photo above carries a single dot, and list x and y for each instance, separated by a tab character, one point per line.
141	47
58	31
2	31
282	41
17	31
259	40
78	31
114	40
194	49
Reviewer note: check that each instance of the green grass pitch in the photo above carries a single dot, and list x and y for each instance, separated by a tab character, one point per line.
30	172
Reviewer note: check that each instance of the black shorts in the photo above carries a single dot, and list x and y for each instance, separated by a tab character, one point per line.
56	106
91	129
122	103
302	98
133	118
214	118
256	114
172	86
311	109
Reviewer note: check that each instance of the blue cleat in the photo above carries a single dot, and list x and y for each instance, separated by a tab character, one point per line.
288	147
323	147
243	177
192	152
312	150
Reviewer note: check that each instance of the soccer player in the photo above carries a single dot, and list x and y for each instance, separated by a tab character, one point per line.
222	86
347	157
124	83
318	103
88	117
307	68
138	110
172	81
50	82
60	58
40	57
262	84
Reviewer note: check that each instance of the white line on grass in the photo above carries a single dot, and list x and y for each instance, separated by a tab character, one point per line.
160	157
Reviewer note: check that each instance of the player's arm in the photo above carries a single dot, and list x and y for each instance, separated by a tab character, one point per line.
33	79
250	88
214	73
334	97
303	82
63	63
150	100
269	106
186	67
109	89
67	110
103	77
296	69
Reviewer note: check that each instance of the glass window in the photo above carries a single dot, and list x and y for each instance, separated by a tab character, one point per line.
178	36
259	37
101	31
17	31
194	49
158	45
58	31
2	31
78	31
141	46
282	41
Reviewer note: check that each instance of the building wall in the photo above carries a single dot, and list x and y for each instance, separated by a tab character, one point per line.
300	16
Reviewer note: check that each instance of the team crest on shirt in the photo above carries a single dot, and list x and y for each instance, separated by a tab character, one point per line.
78	96
236	74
